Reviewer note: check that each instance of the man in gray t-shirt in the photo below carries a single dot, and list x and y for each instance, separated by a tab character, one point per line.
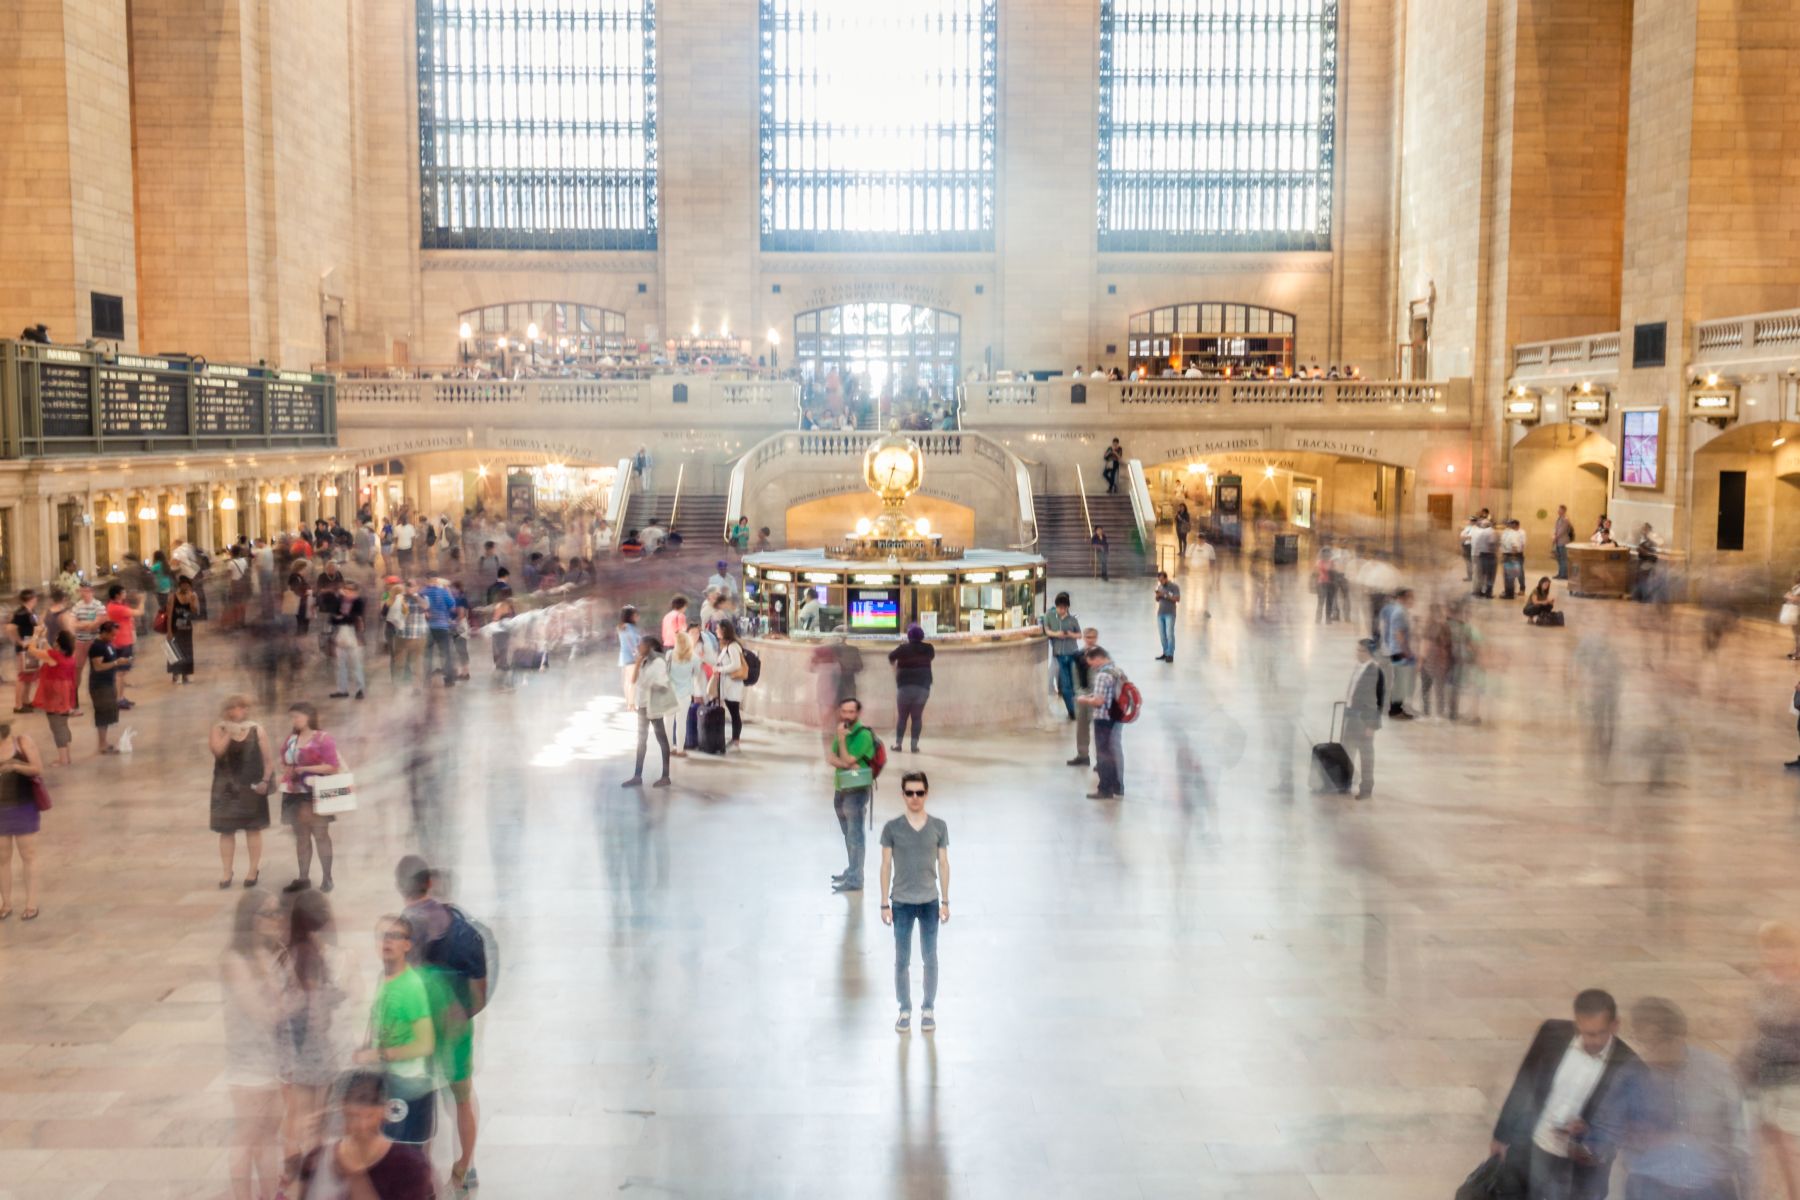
1168	595
915	890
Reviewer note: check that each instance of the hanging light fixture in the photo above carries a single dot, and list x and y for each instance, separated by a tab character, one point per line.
115	517
293	495
147	513
274	497
178	509
331	490
228	503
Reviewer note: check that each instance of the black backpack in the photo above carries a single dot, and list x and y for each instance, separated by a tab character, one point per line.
752	667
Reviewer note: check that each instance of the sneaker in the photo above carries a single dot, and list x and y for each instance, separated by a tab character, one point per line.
839	877
634	781
339	696
663	782
847	885
1103	795
1080	760
903	1023
359	695
927	1021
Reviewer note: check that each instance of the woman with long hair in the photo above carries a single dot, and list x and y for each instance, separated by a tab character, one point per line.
19	765
686	677
656	702
240	789
307	750
729	675
56	688
250	981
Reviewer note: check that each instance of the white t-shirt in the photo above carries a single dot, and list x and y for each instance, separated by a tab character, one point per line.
404	535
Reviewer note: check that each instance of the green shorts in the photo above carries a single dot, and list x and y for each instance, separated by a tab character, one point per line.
459	1063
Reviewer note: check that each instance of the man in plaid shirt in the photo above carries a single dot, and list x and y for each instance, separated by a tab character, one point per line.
1108	753
410	633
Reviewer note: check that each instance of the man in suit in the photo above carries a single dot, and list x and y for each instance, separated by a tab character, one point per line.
1364	704
1553	1127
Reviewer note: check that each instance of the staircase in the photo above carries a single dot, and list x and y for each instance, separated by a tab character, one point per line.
700	519
1063	536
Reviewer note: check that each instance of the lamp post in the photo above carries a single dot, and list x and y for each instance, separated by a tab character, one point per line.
774	349
531	335
464	332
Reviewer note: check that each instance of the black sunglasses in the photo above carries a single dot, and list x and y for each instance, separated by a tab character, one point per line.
913	791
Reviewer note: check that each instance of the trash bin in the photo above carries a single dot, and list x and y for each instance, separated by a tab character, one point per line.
1287	549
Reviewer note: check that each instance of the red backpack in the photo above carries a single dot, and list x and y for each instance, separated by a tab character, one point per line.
1127	704
879	760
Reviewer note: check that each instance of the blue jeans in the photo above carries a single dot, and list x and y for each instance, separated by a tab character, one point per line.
1165	626
926	916
1109	756
851	805
1065	681
439	644
1513	575
1562	562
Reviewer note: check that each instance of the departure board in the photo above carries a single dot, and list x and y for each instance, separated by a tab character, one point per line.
295	407
63	401
228	406
142	404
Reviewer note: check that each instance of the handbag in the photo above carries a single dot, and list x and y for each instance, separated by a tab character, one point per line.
1790	613
40	792
333	794
172	653
161	623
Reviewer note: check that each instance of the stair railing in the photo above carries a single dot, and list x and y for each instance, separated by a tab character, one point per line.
1143	510
1081	490
734	493
617	497
675	508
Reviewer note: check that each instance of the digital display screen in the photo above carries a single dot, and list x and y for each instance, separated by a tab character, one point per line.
1642	450
875	610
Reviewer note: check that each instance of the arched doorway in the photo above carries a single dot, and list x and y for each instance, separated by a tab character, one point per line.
1745	537
1242	495
1211	335
547	333
878	349
1554	465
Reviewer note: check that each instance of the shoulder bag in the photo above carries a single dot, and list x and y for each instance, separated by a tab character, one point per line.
333	794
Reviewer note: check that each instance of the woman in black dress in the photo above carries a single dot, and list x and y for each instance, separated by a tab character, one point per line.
240	789
184	610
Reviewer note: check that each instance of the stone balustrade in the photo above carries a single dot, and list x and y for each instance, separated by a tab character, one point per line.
671	401
1591	356
1756	337
1157	401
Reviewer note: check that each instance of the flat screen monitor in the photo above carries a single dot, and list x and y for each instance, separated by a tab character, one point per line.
874	610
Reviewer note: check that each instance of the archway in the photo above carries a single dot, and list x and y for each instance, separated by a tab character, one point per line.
516	483
1211	335
1554	465
1745	538
548	333
1309	492
877	348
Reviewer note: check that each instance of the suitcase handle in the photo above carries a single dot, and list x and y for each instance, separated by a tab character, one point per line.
1338	710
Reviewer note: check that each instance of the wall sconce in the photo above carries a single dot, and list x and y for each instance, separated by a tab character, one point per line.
274	497
228	503
531	332
293	495
178	509
331	490
147	513
465	331
115	517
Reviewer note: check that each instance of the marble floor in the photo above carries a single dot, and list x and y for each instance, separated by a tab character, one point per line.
1223	985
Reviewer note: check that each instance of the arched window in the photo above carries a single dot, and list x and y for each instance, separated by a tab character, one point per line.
890	349
1218	122
578	335
1210	335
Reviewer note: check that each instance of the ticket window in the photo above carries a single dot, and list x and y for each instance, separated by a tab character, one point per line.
933	608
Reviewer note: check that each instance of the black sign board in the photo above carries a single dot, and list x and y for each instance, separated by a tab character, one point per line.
63	401
228	406
142	404
295	407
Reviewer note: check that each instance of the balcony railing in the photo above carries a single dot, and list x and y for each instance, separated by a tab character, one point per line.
1075	401
1770	335
663	399
1570	356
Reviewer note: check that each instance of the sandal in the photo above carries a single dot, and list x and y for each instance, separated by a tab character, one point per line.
224	883
30	914
5	913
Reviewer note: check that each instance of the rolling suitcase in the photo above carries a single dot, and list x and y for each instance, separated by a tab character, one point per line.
712	728
1330	761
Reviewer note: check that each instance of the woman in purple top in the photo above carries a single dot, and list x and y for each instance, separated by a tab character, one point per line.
307	750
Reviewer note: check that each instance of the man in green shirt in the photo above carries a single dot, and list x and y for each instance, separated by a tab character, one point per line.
851	752
403	1038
